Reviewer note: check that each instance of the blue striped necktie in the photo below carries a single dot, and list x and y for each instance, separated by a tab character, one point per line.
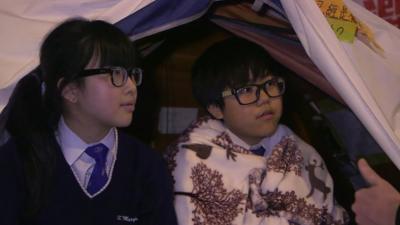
258	151
99	175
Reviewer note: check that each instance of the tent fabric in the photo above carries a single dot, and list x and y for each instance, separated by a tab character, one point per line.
367	81
248	12
24	23
162	15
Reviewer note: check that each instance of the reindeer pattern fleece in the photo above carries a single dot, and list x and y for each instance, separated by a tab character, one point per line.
218	181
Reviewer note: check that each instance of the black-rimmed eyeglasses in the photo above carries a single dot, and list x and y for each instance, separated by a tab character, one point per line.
119	75
250	94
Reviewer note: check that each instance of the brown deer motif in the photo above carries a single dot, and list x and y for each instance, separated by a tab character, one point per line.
202	151
315	182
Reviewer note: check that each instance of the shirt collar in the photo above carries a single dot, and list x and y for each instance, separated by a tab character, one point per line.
268	142
73	146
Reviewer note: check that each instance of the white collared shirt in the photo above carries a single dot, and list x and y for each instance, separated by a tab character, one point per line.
81	164
268	142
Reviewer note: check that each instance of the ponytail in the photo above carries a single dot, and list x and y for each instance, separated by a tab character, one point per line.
28	126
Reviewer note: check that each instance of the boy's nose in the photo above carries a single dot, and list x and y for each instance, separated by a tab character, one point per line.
264	97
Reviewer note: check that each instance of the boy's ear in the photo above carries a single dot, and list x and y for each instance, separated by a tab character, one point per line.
69	91
215	111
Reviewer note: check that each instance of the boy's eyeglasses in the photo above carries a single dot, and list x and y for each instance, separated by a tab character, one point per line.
119	75
250	94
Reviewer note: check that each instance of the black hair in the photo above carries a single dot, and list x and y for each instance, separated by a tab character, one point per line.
36	103
227	64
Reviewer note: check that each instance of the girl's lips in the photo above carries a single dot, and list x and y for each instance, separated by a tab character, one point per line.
128	107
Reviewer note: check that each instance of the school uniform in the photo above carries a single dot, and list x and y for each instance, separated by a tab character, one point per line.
138	189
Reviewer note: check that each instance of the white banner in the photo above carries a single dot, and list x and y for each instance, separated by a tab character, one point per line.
367	81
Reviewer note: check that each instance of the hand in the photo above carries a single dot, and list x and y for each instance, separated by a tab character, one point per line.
377	204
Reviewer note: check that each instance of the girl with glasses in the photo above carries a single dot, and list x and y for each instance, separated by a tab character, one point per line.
65	161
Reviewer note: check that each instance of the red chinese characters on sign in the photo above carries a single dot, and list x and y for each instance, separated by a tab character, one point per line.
386	9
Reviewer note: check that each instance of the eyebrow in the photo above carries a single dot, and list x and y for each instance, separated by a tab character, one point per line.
266	78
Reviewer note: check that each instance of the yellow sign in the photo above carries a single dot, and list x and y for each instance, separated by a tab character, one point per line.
345	25
340	18
344	30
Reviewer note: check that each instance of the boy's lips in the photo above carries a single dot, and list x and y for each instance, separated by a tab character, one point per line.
268	114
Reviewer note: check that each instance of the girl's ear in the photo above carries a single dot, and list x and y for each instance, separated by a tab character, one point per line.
215	111
69	91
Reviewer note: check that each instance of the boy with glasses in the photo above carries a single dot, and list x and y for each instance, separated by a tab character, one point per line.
241	166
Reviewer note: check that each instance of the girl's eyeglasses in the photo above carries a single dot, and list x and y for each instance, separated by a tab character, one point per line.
119	75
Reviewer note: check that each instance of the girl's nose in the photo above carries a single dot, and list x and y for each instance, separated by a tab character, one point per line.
130	85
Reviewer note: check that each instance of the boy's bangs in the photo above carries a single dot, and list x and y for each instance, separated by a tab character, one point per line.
255	72
260	69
